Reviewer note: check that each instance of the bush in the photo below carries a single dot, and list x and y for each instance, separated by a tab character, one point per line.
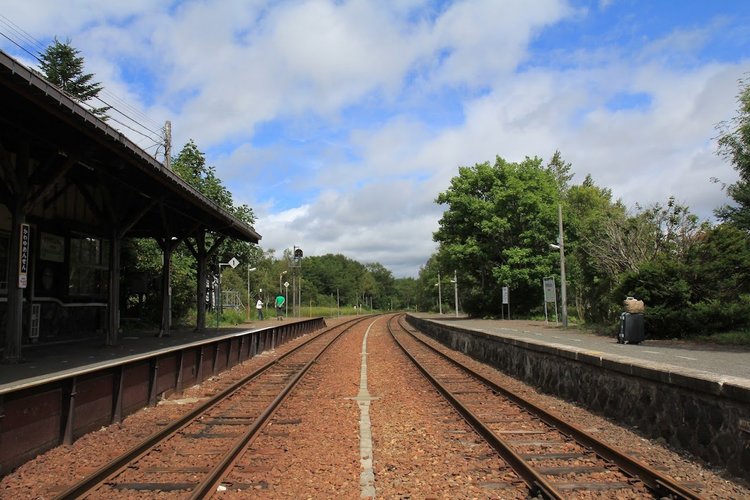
664	322
704	318
712	316
233	316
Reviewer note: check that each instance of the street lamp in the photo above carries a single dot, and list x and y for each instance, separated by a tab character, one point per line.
440	294
233	263
280	275
561	247
455	289
248	290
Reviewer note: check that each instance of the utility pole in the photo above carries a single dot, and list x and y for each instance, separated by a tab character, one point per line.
563	295
168	145
455	289
440	295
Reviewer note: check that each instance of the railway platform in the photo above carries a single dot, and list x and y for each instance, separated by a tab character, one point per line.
702	360
44	361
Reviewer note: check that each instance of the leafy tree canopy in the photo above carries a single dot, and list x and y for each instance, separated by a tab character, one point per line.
734	145
496	230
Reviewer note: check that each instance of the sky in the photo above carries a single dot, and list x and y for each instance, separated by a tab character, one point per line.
340	121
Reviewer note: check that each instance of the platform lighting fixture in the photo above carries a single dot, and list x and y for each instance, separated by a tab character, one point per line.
440	294
249	269
455	289
561	247
233	262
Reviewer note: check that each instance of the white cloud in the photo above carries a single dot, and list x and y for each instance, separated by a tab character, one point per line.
482	39
356	85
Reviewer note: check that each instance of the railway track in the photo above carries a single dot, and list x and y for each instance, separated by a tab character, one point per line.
555	458
191	456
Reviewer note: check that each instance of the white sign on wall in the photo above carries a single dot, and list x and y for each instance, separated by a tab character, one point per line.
23	257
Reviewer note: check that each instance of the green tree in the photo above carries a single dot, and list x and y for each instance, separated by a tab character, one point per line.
719	263
63	66
190	164
734	145
384	289
621	243
335	276
588	209
496	230
560	170
405	292
427	294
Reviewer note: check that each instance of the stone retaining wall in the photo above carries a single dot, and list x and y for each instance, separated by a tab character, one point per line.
707	417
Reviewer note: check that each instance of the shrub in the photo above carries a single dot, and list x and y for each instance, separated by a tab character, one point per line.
712	316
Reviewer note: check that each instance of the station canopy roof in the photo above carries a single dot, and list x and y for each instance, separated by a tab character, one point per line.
88	174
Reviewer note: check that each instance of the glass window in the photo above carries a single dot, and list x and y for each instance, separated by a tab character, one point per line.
89	267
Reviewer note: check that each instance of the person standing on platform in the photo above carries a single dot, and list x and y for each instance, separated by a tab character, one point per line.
279	307
259	307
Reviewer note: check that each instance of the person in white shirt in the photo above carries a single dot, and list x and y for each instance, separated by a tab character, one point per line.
259	307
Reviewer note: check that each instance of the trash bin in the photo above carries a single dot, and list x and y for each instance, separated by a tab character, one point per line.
631	322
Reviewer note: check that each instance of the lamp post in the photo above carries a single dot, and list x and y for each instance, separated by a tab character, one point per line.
455	289
440	295
248	290
561	247
233	263
280	275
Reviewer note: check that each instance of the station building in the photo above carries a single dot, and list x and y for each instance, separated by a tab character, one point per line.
72	188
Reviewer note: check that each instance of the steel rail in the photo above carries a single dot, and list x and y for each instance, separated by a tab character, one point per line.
207	487
82	487
536	482
654	480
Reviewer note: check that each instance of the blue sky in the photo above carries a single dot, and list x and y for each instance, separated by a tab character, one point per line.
339	122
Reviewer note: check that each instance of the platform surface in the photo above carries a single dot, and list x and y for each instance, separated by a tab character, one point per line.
44	360
712	360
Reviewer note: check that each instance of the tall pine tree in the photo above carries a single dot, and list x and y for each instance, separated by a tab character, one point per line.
63	66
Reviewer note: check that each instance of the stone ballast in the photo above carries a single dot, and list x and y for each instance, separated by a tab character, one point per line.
698	412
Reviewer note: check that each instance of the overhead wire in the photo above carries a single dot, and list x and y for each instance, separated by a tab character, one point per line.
22	33
130	108
19	45
23	40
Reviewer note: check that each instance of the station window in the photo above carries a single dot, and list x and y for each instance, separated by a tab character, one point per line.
89	267
4	242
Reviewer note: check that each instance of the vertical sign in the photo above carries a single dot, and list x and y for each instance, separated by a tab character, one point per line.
23	257
505	295
550	294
